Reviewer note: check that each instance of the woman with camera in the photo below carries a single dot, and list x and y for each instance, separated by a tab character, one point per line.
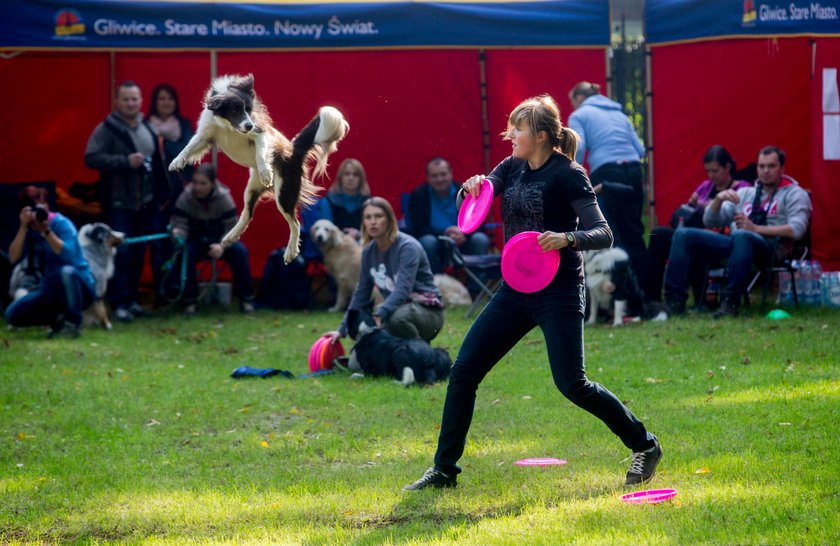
66	286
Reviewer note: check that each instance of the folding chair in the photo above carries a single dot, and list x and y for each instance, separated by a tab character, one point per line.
484	269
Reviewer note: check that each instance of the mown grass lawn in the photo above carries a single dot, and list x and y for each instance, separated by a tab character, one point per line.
140	436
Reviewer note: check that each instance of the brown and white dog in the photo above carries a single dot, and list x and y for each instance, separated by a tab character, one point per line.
239	124
99	242
611	285
342	259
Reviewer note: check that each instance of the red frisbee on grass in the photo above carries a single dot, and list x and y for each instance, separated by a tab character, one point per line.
651	496
540	461
526	267
322	354
475	209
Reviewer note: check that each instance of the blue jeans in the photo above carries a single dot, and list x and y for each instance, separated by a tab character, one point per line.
128	263
236	256
477	243
695	247
62	292
558	310
691	249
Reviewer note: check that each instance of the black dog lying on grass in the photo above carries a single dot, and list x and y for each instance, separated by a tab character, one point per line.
379	353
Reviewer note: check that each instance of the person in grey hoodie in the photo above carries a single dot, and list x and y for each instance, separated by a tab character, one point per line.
764	218
613	150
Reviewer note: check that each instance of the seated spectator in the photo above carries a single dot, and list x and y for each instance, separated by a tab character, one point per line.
720	167
342	205
204	212
173	132
395	263
67	286
432	211
774	209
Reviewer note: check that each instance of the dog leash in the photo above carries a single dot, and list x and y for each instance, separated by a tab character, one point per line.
145	238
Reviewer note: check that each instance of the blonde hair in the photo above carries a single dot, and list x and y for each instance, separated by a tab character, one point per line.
542	114
393	228
350	163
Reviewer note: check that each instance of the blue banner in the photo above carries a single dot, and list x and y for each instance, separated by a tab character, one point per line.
83	24
683	20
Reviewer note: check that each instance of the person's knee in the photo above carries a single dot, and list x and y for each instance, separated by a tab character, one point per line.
429	243
574	389
478	243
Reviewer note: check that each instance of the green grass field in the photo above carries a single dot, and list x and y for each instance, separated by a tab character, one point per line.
140	436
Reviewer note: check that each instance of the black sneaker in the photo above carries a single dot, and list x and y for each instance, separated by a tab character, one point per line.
644	464
432	478
122	314
727	309
137	310
68	330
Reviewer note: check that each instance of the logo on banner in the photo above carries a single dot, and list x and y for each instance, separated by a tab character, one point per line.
750	14
68	24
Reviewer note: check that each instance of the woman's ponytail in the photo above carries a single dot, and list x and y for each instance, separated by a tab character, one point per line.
569	141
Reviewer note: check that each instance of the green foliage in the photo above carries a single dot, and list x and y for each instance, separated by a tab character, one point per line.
140	435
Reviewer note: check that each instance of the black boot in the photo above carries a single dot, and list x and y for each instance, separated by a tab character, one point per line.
730	306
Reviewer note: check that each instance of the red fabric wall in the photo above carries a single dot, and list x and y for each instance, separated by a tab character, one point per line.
826	173
742	94
404	107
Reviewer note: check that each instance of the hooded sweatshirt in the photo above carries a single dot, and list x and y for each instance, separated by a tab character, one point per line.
789	204
605	132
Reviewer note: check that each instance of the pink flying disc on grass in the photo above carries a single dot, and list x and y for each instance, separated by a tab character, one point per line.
540	461
651	496
475	209
322	354
526	267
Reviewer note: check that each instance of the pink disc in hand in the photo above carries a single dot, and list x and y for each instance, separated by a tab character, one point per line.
475	209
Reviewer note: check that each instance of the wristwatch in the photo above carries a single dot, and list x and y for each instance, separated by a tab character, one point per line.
570	238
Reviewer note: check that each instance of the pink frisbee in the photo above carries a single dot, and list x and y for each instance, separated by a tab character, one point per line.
526	267
322	354
540	461
475	209
651	496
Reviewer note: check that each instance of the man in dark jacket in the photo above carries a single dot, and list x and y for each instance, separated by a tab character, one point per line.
432	211
134	188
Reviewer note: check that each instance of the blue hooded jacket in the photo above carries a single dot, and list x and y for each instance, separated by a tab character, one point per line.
605	132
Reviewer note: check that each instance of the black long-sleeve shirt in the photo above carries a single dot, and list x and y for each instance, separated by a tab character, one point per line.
555	197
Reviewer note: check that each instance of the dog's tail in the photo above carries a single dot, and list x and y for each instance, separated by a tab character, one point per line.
315	142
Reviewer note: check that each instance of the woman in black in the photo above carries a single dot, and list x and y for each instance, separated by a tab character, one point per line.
542	190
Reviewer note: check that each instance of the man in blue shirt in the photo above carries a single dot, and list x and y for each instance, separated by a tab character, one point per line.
66	287
432	212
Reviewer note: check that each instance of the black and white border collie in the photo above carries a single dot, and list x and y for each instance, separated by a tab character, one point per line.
611	285
238	123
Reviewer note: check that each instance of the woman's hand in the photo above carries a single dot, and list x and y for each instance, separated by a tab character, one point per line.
728	195
473	184
550	240
216	251
334	336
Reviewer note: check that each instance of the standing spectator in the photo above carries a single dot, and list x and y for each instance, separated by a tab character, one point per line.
173	132
542	189
67	286
135	187
432	211
395	263
764	218
615	153
720	167
204	212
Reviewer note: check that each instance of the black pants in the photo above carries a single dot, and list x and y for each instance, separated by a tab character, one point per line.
558	311
624	215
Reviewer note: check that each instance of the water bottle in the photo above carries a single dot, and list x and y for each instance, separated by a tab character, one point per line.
804	284
785	293
816	272
833	289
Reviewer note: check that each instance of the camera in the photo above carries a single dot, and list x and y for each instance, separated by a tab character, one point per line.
40	213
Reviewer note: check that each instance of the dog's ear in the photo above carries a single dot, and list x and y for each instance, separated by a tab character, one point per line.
214	103
244	84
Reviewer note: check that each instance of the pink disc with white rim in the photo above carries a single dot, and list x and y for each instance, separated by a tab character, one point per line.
651	496
541	461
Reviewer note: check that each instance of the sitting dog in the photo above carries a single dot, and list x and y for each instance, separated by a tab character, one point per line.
452	291
342	259
25	278
239	124
612	284
377	353
99	242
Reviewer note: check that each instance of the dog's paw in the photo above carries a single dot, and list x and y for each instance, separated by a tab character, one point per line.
334	309
229	240
178	163
290	254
